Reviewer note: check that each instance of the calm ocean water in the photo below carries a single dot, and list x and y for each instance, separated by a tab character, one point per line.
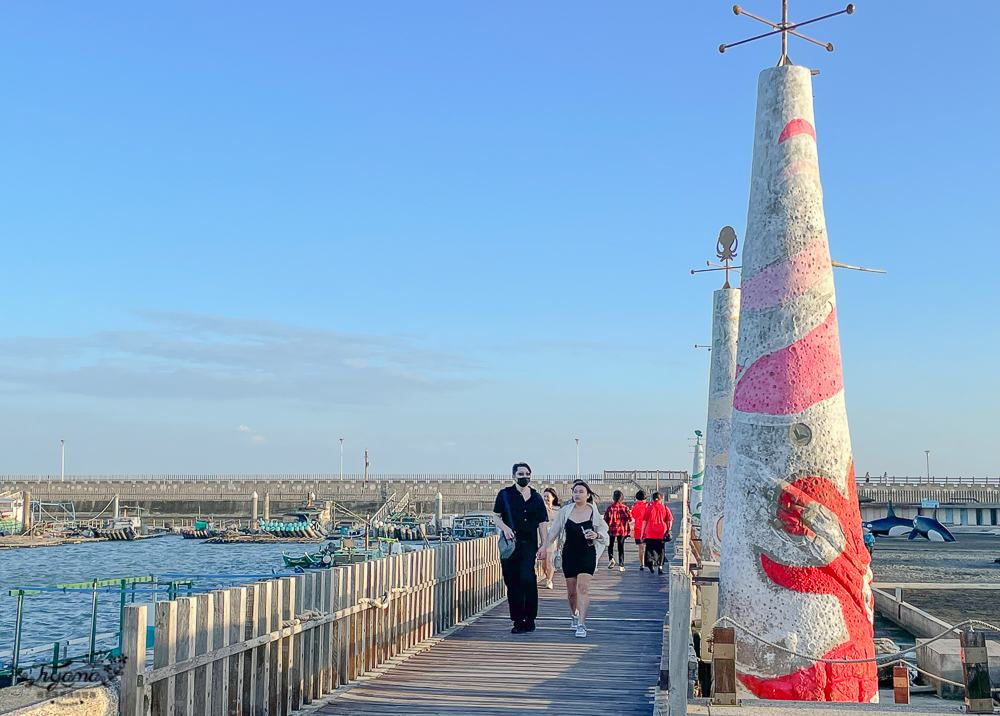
50	617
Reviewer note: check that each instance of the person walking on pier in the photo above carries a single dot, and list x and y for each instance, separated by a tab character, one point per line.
520	514
656	523
619	519
586	536
638	512
548	565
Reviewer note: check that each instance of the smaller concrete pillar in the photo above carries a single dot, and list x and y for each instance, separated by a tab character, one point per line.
115	508
253	510
267	507
697	482
438	509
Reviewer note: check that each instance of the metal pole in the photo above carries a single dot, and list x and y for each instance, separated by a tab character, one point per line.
55	659
928	454
784	35
93	623
121	616
17	638
577	458
342	459
62	471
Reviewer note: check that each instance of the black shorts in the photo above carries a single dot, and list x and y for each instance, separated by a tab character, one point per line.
656	545
576	562
638	541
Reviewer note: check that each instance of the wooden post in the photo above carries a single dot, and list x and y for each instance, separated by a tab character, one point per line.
291	664
299	645
308	639
318	634
219	674
164	654
354	640
901	684
724	666
237	633
133	698
339	638
251	673
275	666
261	658
976	669
680	635
204	638
187	625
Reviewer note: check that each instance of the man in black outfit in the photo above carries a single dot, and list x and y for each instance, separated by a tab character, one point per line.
519	512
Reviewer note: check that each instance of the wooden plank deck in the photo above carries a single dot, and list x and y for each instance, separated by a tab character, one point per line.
483	669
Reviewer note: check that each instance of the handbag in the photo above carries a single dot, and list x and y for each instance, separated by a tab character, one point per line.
505	544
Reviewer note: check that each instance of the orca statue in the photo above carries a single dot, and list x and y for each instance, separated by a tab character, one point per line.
890	525
930	528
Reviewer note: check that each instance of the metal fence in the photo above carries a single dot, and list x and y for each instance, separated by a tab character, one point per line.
924	480
608	476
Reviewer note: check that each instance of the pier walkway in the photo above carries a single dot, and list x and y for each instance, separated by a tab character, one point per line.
483	669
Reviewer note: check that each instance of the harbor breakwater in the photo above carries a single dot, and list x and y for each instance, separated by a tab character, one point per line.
231	496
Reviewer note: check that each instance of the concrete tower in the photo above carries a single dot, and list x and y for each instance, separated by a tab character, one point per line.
794	568
721	381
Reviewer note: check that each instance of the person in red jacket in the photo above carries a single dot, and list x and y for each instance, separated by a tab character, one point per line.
638	510
656	524
618	518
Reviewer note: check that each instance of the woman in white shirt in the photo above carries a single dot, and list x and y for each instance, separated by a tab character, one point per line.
585	536
548	566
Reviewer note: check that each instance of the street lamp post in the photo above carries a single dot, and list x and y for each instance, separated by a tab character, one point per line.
928	454
342	459
577	458
62	470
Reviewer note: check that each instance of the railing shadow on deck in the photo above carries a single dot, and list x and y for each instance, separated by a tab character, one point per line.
279	644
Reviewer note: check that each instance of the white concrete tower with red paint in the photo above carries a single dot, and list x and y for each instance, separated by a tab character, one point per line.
794	569
721	382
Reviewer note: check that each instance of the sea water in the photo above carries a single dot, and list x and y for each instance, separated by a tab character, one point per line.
51	617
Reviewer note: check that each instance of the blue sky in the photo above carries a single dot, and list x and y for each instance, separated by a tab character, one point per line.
460	234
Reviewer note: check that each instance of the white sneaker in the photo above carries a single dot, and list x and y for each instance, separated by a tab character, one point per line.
574	622
548	584
611	564
622	568
581	631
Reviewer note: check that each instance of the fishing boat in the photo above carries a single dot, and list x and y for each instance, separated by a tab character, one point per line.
473	525
303	523
124	527
308	561
203	529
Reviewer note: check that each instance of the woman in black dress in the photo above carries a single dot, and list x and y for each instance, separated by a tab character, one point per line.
586	536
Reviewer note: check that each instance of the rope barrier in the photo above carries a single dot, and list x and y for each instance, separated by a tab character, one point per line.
896	657
736	625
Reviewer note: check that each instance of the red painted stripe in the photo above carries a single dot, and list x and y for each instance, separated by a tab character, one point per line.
796	377
797	126
844	578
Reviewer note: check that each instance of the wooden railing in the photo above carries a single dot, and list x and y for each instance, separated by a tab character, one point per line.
276	645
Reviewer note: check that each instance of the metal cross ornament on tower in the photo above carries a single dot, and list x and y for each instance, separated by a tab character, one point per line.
725	250
785	28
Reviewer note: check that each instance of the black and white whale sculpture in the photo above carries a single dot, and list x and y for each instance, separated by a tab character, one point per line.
920	526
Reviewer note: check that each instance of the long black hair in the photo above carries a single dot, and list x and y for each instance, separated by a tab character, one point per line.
555	497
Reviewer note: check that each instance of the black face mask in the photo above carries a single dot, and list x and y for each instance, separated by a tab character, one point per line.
523	481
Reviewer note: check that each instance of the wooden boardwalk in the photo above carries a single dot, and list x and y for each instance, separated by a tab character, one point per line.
483	669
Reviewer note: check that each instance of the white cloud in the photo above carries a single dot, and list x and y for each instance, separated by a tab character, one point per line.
205	357
243	429
258	438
